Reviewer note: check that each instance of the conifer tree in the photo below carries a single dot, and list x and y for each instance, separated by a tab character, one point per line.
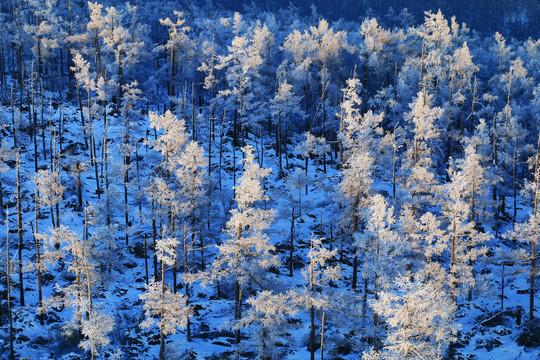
160	302
246	255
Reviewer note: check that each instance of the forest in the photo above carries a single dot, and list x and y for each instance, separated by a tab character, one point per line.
233	180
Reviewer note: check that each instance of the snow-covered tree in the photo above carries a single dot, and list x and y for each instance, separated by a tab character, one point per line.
315	295
381	245
285	104
420	320
178	46
358	137
96	329
160	302
266	318
420	158
51	191
312	145
246	255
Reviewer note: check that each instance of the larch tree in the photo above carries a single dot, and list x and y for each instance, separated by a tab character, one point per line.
191	176
245	256
420	320
316	293
44	33
266	319
170	309
284	105
420	178
123	47
241	66
178	46
312	145
381	244
529	231
357	135
464	239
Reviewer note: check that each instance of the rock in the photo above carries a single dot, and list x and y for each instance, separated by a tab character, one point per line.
130	264
529	339
47	278
488	344
52	318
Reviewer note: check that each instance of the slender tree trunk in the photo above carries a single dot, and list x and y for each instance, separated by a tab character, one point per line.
193	125
81	112
154	235
356	220
161	334
279	140
533	243
10	313
291	246
187	271
312	332
38	254
514	180
93	161
322	335
42	118
238	309
126	212
15	129
20	230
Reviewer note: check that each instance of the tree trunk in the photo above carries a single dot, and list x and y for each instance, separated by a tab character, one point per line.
238	309
291	246
322	335
533	245
186	271
38	254
20	230
312	333
10	314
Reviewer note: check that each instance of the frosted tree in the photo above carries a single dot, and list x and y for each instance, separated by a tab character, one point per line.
45	33
95	329
419	318
267	320
312	145
315	295
358	137
465	241
51	191
94	27
124	47
284	105
245	256
173	139
83	79
160	302
87	80
191	177
297	180
376	40
178	46
381	245
241	65
302	49
420	158
322	46
529	231
87	319
462	84
131	94
474	175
